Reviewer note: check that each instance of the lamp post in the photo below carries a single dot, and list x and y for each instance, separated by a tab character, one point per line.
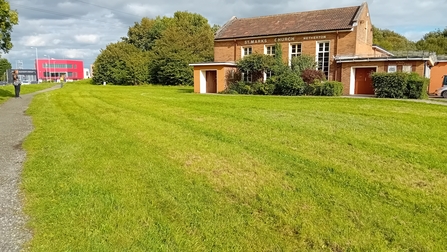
54	69
37	65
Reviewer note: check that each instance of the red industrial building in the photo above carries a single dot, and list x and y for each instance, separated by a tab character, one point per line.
52	69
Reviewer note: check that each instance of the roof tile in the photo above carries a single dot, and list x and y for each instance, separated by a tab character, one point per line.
299	22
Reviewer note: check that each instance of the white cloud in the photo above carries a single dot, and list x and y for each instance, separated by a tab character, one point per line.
87	38
36	40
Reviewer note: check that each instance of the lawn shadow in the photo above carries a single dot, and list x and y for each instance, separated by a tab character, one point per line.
186	90
6	93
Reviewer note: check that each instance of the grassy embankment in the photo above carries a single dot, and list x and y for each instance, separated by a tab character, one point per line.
7	92
158	168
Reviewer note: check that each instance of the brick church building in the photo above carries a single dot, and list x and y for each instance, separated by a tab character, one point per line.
340	39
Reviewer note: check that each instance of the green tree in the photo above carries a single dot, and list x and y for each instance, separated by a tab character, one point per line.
257	64
215	28
392	41
303	62
121	63
4	65
144	34
8	18
435	41
188	39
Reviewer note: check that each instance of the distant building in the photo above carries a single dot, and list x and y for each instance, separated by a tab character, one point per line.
52	69
91	71
25	75
87	74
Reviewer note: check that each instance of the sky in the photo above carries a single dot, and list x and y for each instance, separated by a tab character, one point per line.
79	29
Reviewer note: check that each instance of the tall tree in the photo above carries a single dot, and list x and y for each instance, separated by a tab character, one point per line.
392	41
4	65
144	34
121	63
189	38
8	18
435	41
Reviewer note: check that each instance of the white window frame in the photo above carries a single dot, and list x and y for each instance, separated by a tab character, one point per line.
243	53
329	57
272	49
291	54
407	68
392	69
247	77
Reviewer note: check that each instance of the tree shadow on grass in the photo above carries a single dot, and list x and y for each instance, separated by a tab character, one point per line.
186	90
6	93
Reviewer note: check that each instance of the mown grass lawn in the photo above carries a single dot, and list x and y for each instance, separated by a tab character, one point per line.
149	168
7	92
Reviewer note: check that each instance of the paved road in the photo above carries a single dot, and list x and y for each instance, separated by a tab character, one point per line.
14	127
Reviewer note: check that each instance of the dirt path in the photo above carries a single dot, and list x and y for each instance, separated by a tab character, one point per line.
14	127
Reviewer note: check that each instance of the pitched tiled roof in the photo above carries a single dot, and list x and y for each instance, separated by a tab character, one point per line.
299	22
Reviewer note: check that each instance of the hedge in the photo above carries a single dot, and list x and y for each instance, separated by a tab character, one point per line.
399	85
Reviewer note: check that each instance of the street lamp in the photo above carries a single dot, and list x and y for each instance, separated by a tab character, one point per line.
54	68
37	65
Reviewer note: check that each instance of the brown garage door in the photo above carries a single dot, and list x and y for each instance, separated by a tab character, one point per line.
363	81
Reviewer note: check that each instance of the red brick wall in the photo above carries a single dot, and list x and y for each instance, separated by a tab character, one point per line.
225	51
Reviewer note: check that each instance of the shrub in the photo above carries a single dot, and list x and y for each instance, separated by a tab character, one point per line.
331	88
311	75
417	86
288	83
302	62
313	88
261	88
256	64
257	88
390	85
240	87
400	85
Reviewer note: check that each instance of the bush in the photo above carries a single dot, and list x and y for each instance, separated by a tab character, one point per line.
260	88
309	76
390	85
288	83
331	88
417	86
313	88
303	62
257	88
400	85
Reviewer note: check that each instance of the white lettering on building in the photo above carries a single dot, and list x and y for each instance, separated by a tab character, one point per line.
286	39
255	41
314	37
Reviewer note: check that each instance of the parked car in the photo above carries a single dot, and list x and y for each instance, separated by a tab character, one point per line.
442	91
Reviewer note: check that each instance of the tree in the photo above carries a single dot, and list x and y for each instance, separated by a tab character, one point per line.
144	34
257	64
8	18
435	41
121	63
4	65
189	38
303	62
392	41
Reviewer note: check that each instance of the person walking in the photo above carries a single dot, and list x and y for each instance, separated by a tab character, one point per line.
16	83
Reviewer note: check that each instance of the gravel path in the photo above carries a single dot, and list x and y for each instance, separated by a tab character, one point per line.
14	127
